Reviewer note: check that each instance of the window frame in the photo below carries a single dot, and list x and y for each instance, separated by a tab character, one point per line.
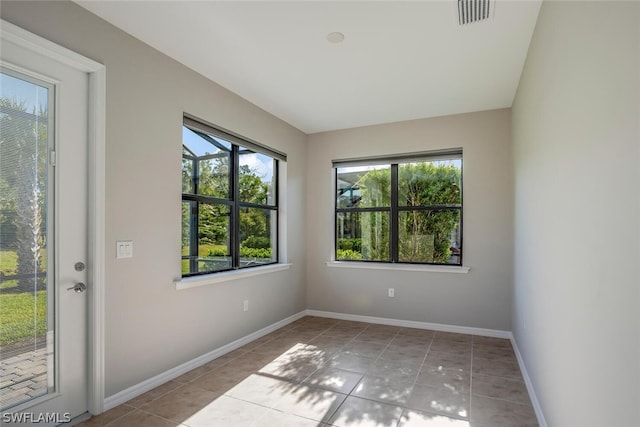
234	204
394	209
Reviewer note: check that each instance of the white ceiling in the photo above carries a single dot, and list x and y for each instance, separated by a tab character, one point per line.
399	60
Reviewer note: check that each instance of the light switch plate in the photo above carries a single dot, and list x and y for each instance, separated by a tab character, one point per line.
124	249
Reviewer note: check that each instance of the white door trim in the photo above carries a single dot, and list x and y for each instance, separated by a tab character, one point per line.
96	196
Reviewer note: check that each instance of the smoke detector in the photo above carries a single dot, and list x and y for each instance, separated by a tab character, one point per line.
335	37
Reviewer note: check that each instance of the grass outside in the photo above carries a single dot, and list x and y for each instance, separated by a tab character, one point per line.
203	250
22	315
8	262
8	267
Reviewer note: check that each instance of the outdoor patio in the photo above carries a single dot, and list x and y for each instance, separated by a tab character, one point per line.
23	374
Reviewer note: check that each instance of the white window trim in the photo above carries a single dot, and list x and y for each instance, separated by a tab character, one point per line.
227	276
399	267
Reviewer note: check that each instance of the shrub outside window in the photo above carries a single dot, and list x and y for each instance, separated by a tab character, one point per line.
405	209
229	201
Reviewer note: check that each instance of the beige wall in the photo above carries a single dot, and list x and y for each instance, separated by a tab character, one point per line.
151	327
576	139
576	172
481	298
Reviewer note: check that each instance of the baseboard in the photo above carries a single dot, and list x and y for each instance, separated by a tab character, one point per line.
413	324
532	393
147	385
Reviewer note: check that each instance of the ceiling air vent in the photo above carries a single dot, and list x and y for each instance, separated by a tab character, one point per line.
470	11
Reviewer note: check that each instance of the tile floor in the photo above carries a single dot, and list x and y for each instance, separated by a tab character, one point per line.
325	372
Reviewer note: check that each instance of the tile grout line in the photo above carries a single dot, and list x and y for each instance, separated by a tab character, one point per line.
120	417
363	373
504	400
297	383
347	395
384	349
151	413
424	359
415	380
403	408
354	387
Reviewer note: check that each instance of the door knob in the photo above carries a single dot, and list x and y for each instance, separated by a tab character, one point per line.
78	288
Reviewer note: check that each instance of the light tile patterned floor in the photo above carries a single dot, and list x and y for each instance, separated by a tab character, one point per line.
325	372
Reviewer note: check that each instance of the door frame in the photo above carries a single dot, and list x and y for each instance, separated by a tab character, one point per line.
95	198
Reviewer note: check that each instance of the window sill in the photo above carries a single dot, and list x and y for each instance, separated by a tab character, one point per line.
399	267
227	276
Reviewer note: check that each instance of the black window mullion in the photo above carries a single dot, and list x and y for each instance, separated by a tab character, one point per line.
194	209
206	199
335	215
195	168
257	206
191	154
212	141
376	209
393	215
235	207
276	196
193	238
429	208
276	201
213	156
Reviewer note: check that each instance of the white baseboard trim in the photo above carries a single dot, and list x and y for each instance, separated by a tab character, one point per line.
413	324
532	393
153	382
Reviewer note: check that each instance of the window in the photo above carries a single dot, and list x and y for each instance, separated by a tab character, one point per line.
229	201
405	209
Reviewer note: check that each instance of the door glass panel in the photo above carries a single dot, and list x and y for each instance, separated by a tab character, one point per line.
26	291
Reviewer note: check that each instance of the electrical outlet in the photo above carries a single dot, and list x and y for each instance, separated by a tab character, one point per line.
245	307
392	292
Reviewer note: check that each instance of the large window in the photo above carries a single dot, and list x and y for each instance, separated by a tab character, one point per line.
229	201
405	209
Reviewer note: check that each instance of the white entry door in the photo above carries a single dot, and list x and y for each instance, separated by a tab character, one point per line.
43	238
